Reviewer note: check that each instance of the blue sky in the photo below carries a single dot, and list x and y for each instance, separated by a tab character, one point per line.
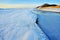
25	3
28	1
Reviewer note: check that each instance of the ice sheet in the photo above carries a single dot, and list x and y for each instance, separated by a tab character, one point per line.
19	24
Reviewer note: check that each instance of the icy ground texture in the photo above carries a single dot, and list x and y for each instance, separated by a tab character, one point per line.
19	24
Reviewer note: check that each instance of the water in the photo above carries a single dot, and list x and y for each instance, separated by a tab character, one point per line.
19	24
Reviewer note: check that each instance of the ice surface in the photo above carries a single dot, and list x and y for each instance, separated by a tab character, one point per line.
49	22
19	24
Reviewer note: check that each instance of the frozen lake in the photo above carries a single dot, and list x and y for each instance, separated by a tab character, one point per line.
19	24
49	22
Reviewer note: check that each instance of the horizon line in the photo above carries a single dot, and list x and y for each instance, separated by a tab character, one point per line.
18	5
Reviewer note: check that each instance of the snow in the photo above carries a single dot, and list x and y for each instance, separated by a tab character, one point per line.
19	24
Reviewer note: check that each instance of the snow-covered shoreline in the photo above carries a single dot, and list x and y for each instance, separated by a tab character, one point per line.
51	9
